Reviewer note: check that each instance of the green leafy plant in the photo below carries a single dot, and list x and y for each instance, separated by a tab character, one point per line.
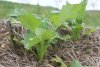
71	15
57	59
37	36
43	30
74	63
30	22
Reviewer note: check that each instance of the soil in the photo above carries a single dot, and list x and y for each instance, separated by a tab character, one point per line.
85	49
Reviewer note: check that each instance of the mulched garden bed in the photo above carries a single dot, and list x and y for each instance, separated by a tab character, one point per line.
86	50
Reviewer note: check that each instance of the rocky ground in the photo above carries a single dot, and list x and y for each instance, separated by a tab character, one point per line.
86	50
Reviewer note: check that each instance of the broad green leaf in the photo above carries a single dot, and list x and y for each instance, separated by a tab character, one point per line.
30	40
54	41
49	34
34	41
44	34
39	33
29	43
76	63
66	37
55	19
30	22
73	11
29	34
57	59
89	32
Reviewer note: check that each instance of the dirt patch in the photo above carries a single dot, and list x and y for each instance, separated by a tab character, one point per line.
86	50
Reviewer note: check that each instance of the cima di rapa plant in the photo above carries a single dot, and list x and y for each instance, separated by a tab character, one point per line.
41	33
